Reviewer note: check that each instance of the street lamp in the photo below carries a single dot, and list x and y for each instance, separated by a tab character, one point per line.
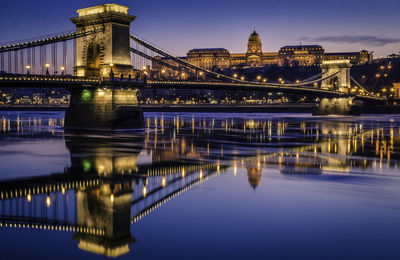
28	68
47	69
111	71
62	70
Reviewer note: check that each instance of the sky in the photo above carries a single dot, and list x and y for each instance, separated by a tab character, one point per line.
180	25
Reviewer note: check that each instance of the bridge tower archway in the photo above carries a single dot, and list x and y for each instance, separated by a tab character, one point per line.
109	48
341	70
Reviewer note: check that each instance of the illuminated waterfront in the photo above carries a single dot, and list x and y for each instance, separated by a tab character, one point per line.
201	186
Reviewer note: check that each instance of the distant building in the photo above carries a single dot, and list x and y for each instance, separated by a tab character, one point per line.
396	90
220	58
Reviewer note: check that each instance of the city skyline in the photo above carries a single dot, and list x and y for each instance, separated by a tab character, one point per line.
228	24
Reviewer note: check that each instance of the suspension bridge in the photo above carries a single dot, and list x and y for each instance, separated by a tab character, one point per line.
101	63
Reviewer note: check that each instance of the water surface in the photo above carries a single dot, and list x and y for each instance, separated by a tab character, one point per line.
201	186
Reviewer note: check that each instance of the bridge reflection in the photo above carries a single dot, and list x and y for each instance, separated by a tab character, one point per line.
100	194
116	180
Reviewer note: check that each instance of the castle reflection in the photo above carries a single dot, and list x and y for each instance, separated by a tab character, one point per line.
115	180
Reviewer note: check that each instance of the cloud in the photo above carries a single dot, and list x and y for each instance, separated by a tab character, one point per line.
364	39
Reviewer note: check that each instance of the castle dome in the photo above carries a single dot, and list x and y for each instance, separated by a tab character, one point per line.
254	37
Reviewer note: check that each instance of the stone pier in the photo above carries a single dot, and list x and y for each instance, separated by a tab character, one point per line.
103	108
335	106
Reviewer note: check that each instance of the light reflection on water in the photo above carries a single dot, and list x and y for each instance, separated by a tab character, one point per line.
236	185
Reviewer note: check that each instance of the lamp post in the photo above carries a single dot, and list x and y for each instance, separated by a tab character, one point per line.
111	71
47	69
62	70
28	69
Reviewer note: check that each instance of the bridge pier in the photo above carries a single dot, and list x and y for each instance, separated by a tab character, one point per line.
103	108
335	106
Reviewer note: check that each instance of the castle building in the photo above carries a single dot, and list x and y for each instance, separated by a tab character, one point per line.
219	59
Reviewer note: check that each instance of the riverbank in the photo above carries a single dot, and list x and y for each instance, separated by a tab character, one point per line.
275	108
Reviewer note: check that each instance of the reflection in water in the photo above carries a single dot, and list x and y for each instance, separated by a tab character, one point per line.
115	180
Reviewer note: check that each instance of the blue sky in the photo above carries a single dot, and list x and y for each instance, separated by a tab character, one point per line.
180	25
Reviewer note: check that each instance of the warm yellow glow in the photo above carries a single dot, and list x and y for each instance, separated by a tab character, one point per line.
164	181
183	172
111	64
29	198
48	201
163	71
201	73
242	78
235	75
144	67
258	77
62	68
112	198
63	190
183	74
103	9
101	92
47	65
264	80
201	174
144	191
28	67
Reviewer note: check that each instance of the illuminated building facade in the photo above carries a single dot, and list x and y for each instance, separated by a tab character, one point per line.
221	59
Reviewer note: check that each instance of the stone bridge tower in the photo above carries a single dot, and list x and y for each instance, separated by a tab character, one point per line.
341	81
98	53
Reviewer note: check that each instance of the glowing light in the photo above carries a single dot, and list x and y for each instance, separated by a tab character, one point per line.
48	201
86	95
29	198
47	65
183	172
144	191
112	198
62	68
63	190
144	67
111	64
201	174
163	71
28	67
164	181
101	92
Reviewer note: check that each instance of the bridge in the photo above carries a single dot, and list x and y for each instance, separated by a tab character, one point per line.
103	65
